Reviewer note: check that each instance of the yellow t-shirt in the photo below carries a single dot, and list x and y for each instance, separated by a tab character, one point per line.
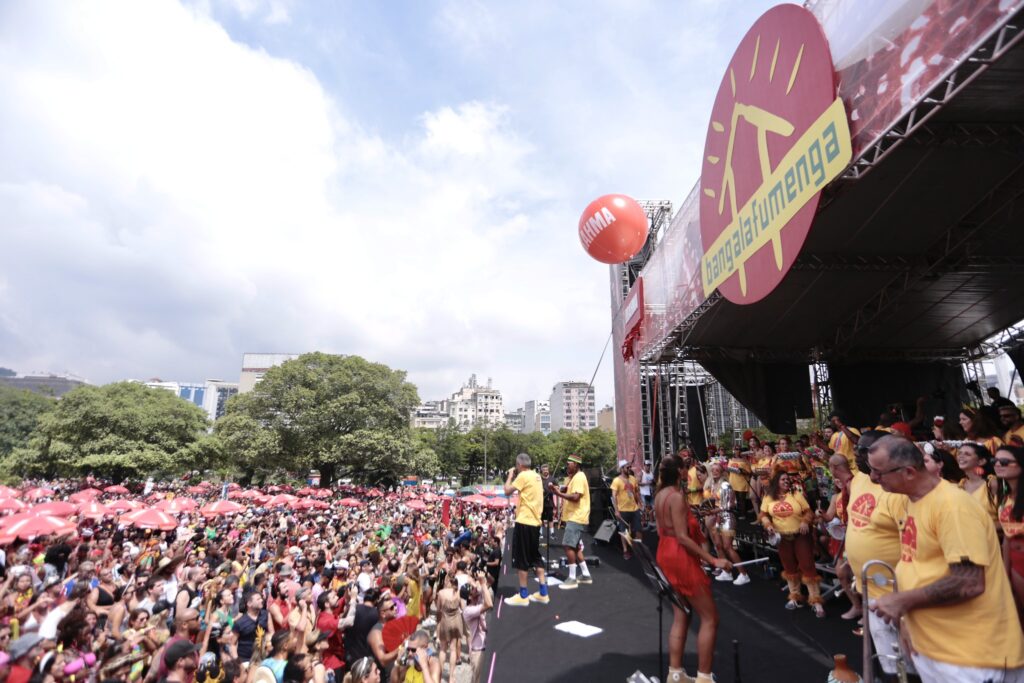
694	490
981	494
531	497
763	466
840	443
625	494
413	607
739	480
1018	432
946	527
872	529
577	512
787	513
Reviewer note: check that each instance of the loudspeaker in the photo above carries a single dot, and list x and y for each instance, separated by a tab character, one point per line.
606	531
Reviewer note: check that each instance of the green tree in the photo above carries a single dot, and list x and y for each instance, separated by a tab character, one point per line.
20	411
340	414
118	430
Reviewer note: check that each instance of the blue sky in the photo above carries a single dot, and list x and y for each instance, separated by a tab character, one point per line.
183	182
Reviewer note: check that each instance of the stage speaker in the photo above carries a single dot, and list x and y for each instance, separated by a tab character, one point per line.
606	531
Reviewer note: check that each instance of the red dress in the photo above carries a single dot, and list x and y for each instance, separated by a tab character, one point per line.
682	569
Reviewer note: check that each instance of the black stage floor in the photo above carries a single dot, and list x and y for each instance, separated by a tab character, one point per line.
774	644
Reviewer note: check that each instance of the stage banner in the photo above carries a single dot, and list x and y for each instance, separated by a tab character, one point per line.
777	136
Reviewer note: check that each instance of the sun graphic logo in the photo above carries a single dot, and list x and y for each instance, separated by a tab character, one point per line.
777	136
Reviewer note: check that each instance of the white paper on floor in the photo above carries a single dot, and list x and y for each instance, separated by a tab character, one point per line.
552	581
577	628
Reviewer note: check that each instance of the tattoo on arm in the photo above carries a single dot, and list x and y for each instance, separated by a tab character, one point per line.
964	581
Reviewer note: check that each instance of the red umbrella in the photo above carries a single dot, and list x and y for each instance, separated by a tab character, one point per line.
497	503
116	488
306	491
220	507
431	497
41	492
94	510
274	489
196	490
374	493
262	500
9	504
476	499
122	505
150	518
321	505
58	508
26	525
416	504
323	493
176	505
93	493
8	492
281	499
231	487
350	502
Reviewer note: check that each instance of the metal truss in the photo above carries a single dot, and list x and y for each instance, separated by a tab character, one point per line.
945	255
1001	341
822	392
1001	41
659	214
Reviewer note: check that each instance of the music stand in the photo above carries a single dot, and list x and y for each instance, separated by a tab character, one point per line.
664	590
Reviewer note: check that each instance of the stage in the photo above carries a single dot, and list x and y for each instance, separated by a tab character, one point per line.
774	644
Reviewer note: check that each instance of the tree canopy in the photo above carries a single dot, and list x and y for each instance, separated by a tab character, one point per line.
20	411
342	415
117	430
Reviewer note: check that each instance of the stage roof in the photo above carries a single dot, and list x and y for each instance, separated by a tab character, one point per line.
916	253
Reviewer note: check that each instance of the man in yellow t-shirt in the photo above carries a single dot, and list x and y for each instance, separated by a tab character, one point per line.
526	532
739	478
1009	416
872	533
844	440
951	576
576	515
626	503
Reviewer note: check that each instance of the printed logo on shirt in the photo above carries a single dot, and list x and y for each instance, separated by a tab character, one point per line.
908	541
860	511
782	509
1010	526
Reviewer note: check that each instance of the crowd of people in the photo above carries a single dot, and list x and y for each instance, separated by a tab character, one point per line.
934	509
205	584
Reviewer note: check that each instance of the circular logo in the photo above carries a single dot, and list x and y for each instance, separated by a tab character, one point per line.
782	509
860	511
761	179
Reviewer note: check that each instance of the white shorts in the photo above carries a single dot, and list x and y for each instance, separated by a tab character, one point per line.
886	640
932	671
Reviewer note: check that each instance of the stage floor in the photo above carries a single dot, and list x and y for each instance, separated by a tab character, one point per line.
774	644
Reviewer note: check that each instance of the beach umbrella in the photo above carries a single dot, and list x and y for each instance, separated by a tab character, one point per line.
231	487
91	492
150	518
27	525
281	499
58	508
196	490
323	493
350	502
123	505
302	504
41	492
220	507
374	493
431	497
116	488
321	505
11	505
469	490
94	510
176	505
416	504
497	503
476	499
8	492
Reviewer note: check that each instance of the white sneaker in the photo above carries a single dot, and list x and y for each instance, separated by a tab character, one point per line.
741	580
724	576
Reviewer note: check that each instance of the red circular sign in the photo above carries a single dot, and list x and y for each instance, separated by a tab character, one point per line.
778	84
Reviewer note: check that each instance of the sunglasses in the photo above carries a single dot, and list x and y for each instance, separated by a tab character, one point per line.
1005	462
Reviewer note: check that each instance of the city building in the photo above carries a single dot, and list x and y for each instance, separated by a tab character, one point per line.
726	415
430	415
255	365
606	419
474	405
537	417
211	395
55	385
514	421
572	407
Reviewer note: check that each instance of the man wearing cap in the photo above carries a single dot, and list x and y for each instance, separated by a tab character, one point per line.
626	503
576	515
526	533
23	652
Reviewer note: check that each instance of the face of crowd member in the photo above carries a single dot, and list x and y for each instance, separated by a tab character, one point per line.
766	450
86	570
1007	466
255	603
572	467
968	458
784	445
966	423
784	485
1009	416
716	470
932	464
23	583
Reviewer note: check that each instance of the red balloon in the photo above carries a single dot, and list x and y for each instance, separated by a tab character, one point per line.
613	228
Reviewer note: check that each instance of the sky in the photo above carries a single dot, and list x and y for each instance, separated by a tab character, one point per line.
182	182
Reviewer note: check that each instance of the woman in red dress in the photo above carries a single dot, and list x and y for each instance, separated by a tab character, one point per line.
679	557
